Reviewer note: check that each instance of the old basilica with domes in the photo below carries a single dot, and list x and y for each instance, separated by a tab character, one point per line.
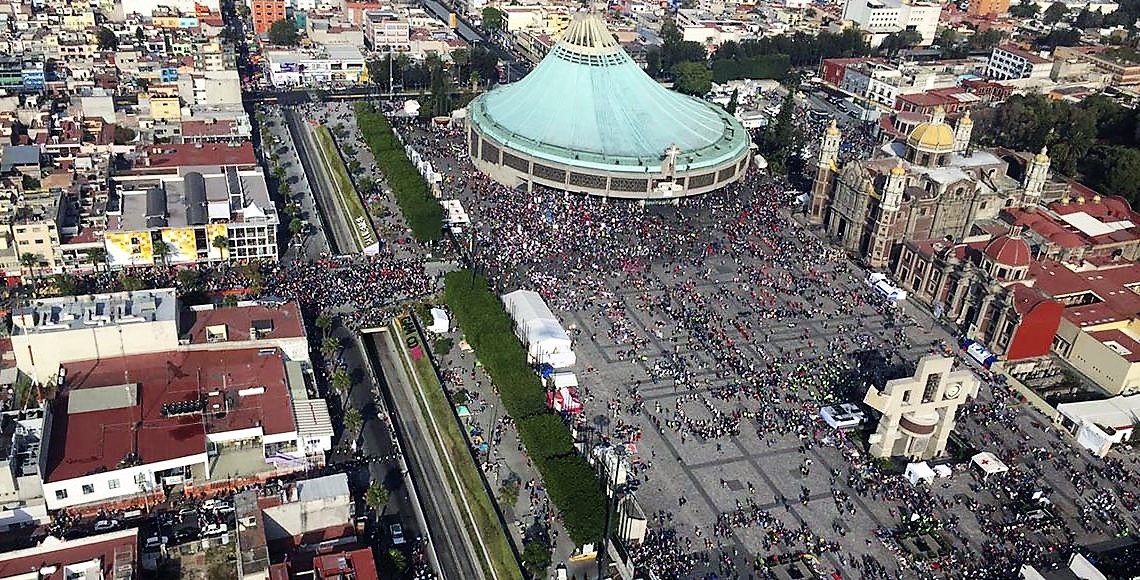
932	186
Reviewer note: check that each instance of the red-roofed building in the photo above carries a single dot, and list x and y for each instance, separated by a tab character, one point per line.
122	427
110	556
155	158
353	565
1082	226
984	285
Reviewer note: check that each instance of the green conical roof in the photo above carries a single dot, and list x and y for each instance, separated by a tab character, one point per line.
588	103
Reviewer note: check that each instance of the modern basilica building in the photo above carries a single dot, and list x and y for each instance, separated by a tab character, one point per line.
589	120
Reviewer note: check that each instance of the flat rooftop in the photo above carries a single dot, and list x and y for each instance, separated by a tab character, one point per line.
65	313
110	556
228	195
112	408
268	322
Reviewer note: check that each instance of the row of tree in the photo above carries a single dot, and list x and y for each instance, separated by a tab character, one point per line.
419	207
475	67
571	481
1095	140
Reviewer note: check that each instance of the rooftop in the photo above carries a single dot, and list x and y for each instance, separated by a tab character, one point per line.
356	565
109	556
237	323
1030	57
1113	297
1117	412
589	104
77	312
192	155
195	198
118	411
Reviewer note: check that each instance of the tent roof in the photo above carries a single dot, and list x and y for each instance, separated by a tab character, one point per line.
989	463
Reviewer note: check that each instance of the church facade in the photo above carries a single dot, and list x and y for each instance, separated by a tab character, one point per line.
933	186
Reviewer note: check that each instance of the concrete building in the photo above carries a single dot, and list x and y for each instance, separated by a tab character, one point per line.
918	412
265	13
385	30
1008	62
879	18
109	556
21	437
1122	64
324	66
988	8
125	428
311	505
50	331
1098	425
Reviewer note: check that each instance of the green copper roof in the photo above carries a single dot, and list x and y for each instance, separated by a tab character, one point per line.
589	104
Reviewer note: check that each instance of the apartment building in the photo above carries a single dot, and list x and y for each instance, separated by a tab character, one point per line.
1009	62
879	18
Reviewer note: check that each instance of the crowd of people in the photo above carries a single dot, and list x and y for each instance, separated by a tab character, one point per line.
750	323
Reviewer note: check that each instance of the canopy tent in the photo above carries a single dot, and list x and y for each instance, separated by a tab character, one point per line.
564	380
538	329
988	463
883	287
439	321
920	472
943	470
564	400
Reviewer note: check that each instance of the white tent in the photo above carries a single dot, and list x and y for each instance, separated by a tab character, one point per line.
439	321
943	470
989	464
920	472
538	329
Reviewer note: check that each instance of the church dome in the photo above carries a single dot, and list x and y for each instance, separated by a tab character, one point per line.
931	136
1009	251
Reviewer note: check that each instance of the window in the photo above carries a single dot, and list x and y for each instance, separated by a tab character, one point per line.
932	383
113	484
61	494
39	241
88	489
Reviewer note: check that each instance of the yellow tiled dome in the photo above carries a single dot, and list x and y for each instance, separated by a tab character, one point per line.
932	136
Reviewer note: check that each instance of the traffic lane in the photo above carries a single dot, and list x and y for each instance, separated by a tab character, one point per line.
446	529
318	186
316	243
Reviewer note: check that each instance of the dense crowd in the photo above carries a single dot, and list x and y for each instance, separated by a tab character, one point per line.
719	300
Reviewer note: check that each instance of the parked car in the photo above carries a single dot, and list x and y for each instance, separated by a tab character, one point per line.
214	530
397	532
106	525
154	542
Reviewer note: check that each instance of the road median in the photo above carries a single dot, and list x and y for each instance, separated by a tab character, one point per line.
347	198
461	472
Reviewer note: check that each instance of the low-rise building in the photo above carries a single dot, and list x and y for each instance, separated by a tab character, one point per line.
109	556
386	30
325	66
1121	63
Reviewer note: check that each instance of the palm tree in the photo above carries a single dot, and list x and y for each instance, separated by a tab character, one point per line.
222	244
324	322
329	346
353	420
161	251
31	262
97	256
341	382
377	495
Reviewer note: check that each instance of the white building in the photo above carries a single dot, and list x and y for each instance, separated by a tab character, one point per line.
310	506
1098	425
878	18
328	65
147	7
386	30
1012	63
50	331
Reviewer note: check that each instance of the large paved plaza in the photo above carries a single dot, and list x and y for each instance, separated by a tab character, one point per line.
708	335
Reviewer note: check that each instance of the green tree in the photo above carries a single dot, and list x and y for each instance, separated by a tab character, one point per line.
353	421
1114	170
106	39
341	382
733	102
65	284
124	135
492	18
986	39
296	226
1055	13
131	283
221	243
1024	10
460	58
330	345
896	41
653	65
509	493
161	252
394	563
98	257
536	558
376	495
284	33
440	100
781	140
692	78
324	323
188	279
31	263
